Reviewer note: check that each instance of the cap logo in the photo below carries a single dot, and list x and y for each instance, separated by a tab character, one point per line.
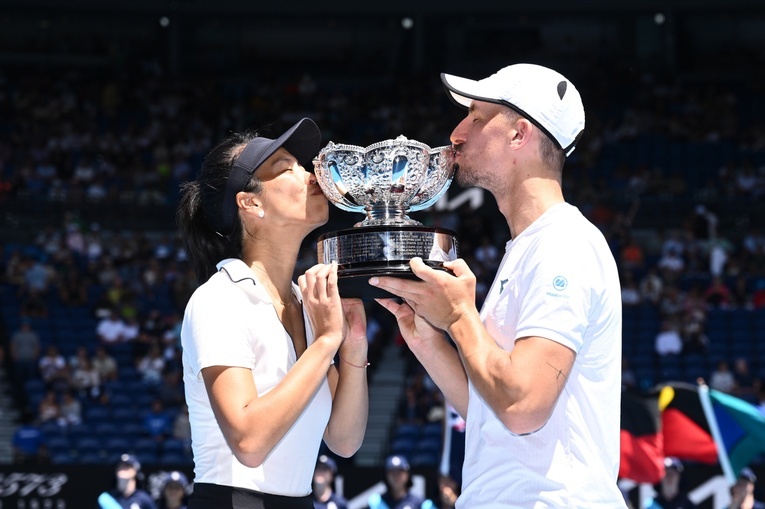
562	86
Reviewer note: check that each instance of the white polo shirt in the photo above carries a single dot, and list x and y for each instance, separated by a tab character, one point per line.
230	321
558	280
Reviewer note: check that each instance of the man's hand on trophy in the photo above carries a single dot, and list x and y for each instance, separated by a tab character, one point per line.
439	297
416	331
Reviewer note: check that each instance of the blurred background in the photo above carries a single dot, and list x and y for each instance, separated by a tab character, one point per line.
107	107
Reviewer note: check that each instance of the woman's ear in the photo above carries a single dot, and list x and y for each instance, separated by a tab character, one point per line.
249	203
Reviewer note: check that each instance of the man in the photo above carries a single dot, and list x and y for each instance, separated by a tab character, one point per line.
398	484
536	374
126	494
671	494
742	492
324	496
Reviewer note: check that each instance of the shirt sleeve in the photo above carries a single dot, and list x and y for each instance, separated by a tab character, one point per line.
214	332
557	298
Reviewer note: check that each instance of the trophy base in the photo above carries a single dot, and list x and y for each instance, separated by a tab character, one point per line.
365	252
356	285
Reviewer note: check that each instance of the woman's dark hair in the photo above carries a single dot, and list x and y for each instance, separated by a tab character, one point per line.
199	214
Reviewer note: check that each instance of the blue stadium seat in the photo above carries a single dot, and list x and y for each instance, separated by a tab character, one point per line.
403	446
425	445
425	460
407	430
63	458
173	458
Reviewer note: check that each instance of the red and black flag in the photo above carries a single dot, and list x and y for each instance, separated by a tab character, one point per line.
642	449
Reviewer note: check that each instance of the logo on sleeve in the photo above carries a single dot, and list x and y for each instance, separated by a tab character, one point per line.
560	283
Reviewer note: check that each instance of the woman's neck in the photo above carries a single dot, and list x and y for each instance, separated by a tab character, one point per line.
274	266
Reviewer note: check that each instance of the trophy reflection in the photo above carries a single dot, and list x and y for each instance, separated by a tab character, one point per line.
385	181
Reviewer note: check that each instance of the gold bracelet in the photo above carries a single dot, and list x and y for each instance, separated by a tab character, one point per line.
366	364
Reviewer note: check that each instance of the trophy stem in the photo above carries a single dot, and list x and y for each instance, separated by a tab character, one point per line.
387	216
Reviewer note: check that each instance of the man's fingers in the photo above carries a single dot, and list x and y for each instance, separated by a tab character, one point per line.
420	268
396	286
458	266
389	304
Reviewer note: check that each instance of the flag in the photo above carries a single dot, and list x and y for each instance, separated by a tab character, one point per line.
684	424
741	428
453	453
710	426
641	441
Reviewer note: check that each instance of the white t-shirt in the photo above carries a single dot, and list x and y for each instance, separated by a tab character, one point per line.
558	280
230	321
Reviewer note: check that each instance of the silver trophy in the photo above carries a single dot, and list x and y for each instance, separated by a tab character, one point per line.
385	181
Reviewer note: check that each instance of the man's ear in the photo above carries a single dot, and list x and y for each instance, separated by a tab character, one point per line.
522	131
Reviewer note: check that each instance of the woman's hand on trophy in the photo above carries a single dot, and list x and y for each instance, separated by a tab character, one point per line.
355	330
440	297
322	303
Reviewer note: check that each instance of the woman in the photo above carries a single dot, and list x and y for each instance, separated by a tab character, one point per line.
258	350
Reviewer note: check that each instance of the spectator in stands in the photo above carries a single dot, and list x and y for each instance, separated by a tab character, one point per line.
38	277
630	291
171	391
28	442
71	290
741	295
668	340
448	491
671	265
25	352
71	409
152	365
651	286
758	296
54	369
629	378
105	364
412	409
695	339
717	294
748	386
398	485
632	255
672	303
244	220
86	380
671	493
173	491
48	409
182	427
323	485
110	329
487	253
722	378
742	493
158	423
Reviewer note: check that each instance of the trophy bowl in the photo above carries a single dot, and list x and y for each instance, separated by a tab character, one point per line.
385	181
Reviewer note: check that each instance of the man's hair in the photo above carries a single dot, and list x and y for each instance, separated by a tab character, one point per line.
552	156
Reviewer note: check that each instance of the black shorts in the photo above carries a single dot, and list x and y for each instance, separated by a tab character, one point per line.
216	496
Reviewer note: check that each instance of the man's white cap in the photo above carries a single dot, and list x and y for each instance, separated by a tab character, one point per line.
543	96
